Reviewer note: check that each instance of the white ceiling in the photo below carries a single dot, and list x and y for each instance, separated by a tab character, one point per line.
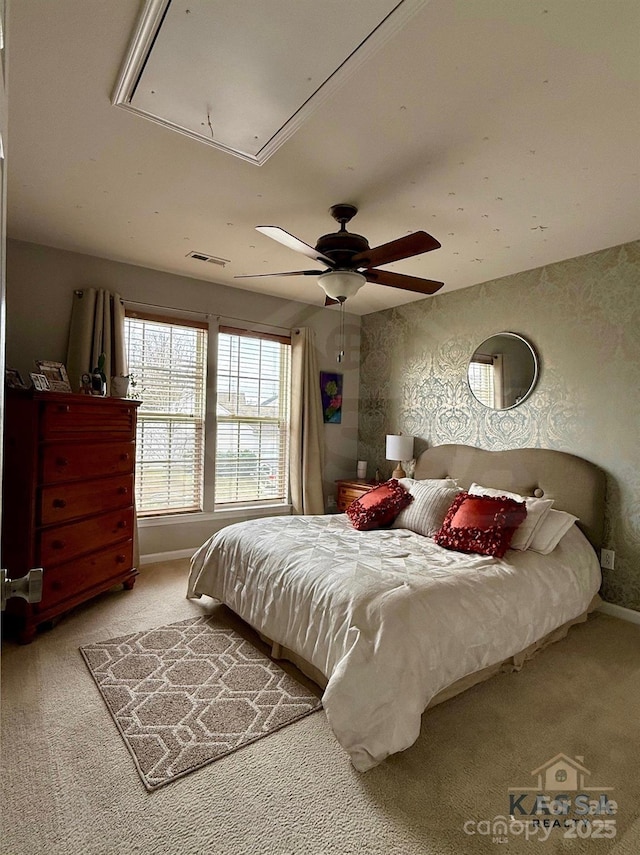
508	129
248	102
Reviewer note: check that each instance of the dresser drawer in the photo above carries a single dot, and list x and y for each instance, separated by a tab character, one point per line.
345	497
82	415
93	571
66	461
62	543
349	492
62	502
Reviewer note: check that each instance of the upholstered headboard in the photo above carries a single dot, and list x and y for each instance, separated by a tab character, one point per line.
575	484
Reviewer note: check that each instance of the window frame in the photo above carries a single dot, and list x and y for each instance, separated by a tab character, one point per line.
285	424
177	321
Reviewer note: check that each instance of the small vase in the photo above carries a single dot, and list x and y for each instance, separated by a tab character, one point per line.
119	386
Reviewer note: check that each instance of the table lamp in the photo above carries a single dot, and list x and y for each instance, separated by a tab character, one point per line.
399	448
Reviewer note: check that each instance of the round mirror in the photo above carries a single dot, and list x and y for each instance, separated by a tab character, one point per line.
503	371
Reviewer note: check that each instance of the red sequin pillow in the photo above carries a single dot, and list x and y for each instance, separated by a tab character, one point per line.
482	524
379	506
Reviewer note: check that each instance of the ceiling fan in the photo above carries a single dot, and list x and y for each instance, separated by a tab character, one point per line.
349	262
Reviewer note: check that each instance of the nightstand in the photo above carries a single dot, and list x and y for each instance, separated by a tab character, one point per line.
348	490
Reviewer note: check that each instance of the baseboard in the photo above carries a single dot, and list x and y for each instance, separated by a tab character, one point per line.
155	557
620	612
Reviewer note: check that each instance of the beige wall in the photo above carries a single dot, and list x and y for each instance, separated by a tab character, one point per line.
583	318
40	284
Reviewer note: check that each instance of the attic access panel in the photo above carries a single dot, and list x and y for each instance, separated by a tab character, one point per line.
242	76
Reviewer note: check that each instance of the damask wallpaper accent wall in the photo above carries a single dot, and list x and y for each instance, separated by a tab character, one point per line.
583	318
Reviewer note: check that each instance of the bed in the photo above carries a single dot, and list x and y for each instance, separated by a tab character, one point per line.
387	621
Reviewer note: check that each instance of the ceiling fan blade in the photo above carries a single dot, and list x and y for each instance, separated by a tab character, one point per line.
295	243
404	247
400	280
288	273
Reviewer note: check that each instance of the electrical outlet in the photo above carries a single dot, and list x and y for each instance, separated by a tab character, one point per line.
331	501
607	559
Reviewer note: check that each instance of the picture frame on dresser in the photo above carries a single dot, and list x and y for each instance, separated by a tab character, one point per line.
56	374
40	382
13	379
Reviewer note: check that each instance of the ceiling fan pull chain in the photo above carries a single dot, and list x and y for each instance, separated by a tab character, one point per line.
341	351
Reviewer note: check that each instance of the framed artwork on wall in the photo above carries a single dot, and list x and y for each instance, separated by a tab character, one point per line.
331	391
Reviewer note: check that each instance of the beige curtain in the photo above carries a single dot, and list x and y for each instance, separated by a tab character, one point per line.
97	326
307	431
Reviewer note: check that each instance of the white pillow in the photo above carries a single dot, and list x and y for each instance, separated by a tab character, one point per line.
537	510
408	483
431	501
551	531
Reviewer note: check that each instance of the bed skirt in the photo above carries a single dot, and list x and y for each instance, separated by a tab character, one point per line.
512	663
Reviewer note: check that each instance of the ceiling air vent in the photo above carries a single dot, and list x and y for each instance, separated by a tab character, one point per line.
212	259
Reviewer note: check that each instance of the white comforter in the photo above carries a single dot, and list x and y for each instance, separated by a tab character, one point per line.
388	616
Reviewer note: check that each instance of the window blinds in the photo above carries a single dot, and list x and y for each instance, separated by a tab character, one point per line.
481	379
252	416
167	359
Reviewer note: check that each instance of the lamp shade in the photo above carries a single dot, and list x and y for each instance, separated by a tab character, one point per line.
399	447
341	284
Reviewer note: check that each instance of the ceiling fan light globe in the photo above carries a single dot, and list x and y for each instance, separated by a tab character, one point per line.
341	284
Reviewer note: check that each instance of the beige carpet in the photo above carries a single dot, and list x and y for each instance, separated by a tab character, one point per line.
188	693
69	788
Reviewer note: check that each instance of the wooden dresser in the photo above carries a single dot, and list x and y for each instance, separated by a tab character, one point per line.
350	490
68	492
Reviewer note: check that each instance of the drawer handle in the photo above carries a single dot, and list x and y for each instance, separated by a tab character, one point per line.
120	559
124	456
122	524
59	503
122	491
58	544
62	461
63	408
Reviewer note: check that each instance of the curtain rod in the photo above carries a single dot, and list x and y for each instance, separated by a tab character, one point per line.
207	315
166	308
255	323
80	291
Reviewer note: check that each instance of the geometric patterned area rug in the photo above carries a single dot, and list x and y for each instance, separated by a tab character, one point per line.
186	694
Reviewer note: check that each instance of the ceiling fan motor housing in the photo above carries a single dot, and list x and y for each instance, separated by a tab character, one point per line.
341	246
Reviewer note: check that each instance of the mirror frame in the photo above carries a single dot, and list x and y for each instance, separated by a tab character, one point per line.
536	370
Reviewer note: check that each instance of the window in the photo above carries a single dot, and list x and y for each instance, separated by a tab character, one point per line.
561	776
252	417
167	359
481	380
